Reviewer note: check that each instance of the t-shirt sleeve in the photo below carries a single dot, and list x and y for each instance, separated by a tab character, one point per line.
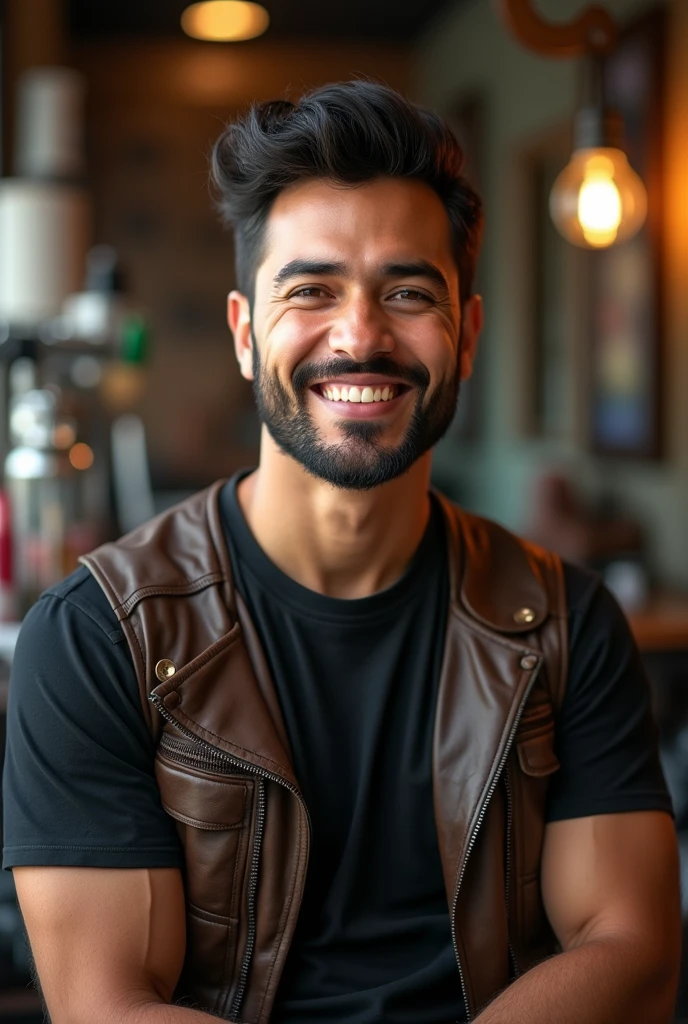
78	782
606	738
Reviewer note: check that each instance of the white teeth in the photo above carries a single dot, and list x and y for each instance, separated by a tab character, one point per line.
354	394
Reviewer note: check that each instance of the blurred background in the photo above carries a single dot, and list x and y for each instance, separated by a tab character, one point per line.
119	391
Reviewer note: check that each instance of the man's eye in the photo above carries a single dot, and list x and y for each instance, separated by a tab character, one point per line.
308	292
411	295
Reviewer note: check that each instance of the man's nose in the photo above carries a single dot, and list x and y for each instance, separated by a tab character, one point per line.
361	331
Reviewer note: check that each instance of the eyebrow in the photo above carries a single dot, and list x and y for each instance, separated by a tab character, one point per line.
326	268
417	268
301	268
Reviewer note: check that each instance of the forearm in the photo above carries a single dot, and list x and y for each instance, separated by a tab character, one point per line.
141	1013
158	1013
155	1012
605	981
128	1011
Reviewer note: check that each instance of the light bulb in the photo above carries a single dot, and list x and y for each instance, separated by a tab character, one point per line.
225	20
598	199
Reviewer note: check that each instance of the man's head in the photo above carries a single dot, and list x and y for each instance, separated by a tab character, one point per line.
356	243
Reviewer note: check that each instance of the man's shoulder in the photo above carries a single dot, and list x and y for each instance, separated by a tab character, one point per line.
179	550
584	587
504	581
77	596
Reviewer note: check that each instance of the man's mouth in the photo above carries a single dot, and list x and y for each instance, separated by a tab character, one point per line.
364	395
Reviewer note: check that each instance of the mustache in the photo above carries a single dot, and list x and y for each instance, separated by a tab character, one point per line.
307	374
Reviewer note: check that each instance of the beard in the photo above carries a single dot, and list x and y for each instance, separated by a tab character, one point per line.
360	461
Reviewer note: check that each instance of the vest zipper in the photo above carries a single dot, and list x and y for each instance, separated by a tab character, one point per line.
184	754
214	755
507	894
481	817
251	900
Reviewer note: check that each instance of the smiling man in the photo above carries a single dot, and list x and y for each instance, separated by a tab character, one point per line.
316	745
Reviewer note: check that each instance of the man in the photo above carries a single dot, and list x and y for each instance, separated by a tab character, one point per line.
289	752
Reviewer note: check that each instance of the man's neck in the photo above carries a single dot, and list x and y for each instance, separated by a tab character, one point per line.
346	544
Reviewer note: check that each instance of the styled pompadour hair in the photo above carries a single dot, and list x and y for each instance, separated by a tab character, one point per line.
350	133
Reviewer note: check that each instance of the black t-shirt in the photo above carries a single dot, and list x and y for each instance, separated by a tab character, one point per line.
357	682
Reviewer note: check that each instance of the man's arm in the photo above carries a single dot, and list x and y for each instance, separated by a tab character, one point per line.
108	943
610	885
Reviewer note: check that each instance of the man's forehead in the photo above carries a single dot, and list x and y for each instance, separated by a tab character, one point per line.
389	196
380	223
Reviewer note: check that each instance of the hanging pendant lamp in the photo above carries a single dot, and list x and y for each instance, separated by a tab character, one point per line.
597	200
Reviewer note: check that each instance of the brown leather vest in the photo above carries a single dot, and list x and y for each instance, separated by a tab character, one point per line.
225	772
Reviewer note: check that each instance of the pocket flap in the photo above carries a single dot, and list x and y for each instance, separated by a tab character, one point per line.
536	754
204	801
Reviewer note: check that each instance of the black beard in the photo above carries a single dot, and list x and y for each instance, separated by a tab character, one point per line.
360	462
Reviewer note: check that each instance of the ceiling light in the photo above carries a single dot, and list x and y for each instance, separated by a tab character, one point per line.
225	20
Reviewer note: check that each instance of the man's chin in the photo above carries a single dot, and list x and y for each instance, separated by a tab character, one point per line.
354	467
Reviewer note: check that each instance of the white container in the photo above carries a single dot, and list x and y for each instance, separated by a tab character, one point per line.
50	124
44	236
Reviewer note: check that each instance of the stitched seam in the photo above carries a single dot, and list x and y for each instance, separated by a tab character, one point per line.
210	826
163	591
209	916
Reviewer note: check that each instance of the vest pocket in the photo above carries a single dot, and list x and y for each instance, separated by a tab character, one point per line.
216	818
535	741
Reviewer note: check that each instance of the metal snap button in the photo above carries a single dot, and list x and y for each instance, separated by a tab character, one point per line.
528	662
524	616
165	669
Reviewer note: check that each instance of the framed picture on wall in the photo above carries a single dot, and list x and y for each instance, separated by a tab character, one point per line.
625	281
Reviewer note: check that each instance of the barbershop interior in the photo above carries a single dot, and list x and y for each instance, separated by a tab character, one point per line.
120	393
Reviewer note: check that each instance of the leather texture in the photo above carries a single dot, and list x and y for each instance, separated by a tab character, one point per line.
225	772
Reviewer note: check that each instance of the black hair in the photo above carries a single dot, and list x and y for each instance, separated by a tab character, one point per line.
350	133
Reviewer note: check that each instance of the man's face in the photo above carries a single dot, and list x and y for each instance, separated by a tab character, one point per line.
354	347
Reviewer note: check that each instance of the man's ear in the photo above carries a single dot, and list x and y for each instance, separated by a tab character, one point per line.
239	320
472	325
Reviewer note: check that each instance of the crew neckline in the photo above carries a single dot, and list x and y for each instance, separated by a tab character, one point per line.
247	556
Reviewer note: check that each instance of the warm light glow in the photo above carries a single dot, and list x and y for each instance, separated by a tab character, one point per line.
599	210
81	456
598	199
225	20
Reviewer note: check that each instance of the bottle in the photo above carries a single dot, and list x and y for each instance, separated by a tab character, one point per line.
47	476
